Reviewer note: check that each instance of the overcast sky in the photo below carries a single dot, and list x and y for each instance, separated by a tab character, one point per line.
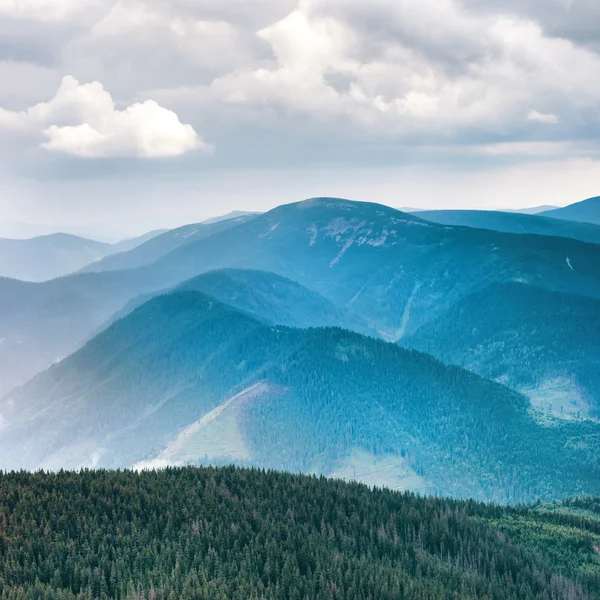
121	116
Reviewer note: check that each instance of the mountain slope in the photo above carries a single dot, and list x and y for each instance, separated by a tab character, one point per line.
587	211
234	214
394	270
267	296
240	534
159	246
515	223
131	243
316	400
543	343
41	323
533	210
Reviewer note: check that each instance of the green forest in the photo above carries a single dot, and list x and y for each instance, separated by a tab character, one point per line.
241	534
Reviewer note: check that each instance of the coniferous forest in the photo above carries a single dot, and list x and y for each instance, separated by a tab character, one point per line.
231	534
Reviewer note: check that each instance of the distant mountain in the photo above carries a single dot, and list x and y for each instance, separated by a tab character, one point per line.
131	243
187	379
515	223
544	344
267	296
534	210
587	211
395	271
49	256
159	246
234	214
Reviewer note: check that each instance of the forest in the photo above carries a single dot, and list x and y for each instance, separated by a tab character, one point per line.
239	534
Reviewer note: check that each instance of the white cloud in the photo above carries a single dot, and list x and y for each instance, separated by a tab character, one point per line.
413	65
46	10
82	120
539	149
549	118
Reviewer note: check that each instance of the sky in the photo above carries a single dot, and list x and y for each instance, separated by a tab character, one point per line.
120	116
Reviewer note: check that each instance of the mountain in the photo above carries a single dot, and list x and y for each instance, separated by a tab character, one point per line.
393	270
41	323
161	245
267	296
49	256
515	223
238	534
396	270
587	211
234	214
545	344
534	210
187	379
131	243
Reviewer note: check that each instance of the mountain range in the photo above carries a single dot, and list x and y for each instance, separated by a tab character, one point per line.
327	336
50	256
186	379
393	270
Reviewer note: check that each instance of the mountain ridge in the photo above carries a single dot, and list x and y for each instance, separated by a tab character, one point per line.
333	400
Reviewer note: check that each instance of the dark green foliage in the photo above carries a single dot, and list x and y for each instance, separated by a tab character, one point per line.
245	534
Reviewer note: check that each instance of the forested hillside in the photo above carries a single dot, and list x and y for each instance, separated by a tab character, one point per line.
185	379
544	343
276	299
229	534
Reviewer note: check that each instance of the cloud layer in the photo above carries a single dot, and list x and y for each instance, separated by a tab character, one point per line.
82	120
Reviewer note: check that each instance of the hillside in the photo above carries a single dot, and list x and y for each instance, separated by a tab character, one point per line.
515	223
267	296
395	271
587	211
42	323
238	534
160	245
543	343
186	379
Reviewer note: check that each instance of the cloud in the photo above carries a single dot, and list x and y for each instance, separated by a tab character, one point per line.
534	149
82	120
548	118
46	10
408	67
